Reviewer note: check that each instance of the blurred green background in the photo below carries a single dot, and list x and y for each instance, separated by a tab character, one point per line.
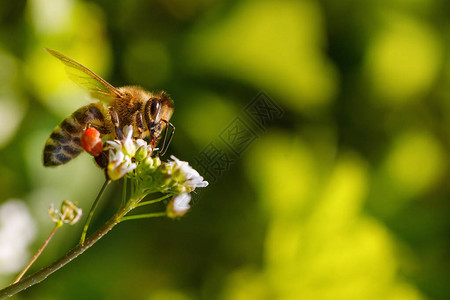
344	197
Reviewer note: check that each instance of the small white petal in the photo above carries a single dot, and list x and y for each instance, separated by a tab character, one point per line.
181	203
141	143
131	167
115	144
203	184
129	147
116	157
128	132
127	159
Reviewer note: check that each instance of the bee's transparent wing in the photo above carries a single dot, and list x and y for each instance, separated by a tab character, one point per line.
97	86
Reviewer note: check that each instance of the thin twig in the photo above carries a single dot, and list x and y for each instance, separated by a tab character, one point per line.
81	247
38	253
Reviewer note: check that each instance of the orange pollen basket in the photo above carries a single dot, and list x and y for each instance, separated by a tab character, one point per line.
91	141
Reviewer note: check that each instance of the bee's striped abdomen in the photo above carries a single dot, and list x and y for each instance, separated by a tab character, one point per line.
64	143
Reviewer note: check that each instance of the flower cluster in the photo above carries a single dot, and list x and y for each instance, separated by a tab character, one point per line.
133	157
69	213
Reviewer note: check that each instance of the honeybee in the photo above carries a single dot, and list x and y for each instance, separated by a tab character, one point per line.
148	113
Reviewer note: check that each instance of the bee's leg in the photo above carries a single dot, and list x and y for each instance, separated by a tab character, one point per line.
165	145
89	125
115	121
139	124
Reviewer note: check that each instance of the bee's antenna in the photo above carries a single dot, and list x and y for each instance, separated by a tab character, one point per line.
165	145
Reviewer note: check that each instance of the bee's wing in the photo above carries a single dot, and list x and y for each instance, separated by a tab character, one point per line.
97	86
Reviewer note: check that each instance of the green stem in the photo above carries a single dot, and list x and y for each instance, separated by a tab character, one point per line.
38	253
91	212
143	216
152	201
124	191
132	187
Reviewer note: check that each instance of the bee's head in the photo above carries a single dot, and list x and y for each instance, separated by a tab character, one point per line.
158	109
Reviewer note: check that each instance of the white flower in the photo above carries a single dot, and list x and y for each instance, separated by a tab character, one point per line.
119	164
187	176
179	205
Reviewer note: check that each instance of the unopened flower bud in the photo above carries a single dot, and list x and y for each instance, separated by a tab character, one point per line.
141	153
179	205
156	161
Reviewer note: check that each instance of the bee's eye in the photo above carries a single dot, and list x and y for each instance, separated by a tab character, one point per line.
154	110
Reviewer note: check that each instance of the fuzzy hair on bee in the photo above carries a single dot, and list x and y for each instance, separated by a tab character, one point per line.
148	113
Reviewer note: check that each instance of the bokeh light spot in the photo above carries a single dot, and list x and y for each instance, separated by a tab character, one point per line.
51	16
17	231
284	168
282	55
416	162
403	59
